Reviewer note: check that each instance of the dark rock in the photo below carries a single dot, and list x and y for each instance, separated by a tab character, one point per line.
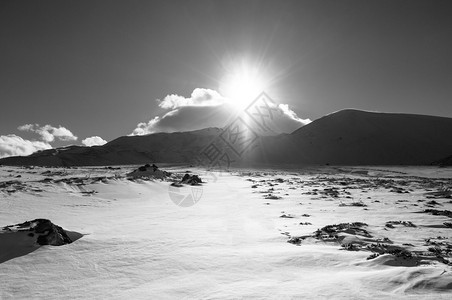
390	224
296	240
191	179
48	233
113	168
148	166
272	197
186	177
436	212
286	216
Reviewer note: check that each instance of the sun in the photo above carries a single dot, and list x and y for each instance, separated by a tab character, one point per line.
242	85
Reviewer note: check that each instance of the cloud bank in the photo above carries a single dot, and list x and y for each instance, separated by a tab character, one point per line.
207	108
94	141
13	145
199	97
49	133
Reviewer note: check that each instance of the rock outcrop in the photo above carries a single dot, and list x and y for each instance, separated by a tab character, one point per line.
148	171
24	238
191	179
45	232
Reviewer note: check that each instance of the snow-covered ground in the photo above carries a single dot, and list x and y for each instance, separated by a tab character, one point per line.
233	242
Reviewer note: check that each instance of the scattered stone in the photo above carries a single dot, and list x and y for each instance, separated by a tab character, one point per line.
390	224
432	203
297	240
384	240
113	168
330	232
372	256
350	247
443	192
399	190
358	204
286	216
436	212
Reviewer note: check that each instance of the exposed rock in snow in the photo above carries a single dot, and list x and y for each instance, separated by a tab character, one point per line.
21	239
191	179
149	172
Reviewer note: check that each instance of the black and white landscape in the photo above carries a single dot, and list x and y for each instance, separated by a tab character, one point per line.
225	149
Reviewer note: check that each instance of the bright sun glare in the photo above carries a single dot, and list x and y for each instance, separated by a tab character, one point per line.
242	85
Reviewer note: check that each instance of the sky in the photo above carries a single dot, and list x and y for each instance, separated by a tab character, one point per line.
87	72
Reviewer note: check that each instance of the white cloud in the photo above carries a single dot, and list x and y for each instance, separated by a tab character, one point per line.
199	97
207	108
291	114
48	133
94	141
26	127
146	128
13	145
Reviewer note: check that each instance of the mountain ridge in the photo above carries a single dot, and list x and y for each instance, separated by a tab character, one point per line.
345	137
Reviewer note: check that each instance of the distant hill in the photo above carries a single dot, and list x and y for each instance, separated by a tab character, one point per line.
353	137
178	147
347	137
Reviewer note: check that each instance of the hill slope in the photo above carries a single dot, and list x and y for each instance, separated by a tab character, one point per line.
359	138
